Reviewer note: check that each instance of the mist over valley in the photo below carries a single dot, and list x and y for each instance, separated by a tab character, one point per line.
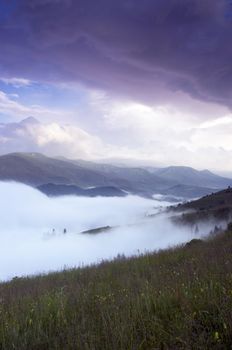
39	234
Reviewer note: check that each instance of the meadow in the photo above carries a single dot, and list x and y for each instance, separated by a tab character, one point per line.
180	298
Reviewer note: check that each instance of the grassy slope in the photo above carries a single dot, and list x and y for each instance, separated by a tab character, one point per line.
175	299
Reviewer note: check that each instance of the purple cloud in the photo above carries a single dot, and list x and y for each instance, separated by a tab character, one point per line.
142	49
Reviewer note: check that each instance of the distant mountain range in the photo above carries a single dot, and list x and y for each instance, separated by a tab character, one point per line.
61	176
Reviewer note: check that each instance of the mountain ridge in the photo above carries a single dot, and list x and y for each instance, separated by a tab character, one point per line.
36	169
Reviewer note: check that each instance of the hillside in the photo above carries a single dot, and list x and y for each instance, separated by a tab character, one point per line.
217	206
213	201
186	175
188	191
53	190
175	299
36	169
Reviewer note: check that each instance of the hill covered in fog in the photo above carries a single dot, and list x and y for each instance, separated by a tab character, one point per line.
214	207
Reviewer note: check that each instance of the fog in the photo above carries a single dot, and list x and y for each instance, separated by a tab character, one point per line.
32	239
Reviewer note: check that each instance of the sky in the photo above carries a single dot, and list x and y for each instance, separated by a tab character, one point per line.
142	82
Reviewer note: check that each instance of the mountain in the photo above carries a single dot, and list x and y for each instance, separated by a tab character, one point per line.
186	176
186	191
29	121
36	169
53	190
186	181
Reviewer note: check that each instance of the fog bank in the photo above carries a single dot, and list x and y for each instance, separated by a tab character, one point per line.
31	230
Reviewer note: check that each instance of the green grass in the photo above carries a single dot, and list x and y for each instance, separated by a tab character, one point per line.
175	299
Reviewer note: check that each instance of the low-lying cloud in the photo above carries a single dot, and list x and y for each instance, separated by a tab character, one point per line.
32	239
50	138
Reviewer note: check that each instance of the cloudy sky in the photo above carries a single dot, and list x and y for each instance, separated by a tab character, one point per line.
147	81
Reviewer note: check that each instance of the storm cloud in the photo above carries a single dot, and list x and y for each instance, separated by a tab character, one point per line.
149	50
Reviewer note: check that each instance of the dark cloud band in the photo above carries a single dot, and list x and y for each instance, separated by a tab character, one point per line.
147	49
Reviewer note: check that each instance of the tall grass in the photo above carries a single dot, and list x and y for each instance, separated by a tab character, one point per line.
175	299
